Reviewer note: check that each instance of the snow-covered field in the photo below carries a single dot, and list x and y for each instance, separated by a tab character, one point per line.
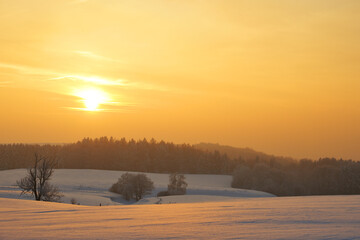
210	210
90	187
335	217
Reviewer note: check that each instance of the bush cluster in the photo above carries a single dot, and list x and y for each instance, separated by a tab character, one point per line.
132	186
177	185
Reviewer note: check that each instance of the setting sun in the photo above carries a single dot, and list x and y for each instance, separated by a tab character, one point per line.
92	98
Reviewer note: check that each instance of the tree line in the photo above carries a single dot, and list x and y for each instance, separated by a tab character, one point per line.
280	176
125	155
327	176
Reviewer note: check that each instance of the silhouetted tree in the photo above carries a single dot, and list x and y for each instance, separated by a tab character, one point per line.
37	180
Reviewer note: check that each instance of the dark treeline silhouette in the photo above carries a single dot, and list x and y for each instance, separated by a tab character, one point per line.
277	175
242	153
126	155
327	176
284	176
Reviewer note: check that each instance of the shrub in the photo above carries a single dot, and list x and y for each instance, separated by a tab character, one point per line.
163	194
133	186
177	184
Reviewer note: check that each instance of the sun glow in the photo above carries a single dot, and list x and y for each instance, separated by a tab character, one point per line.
93	98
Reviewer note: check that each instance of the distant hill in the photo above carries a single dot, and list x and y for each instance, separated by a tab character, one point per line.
242	153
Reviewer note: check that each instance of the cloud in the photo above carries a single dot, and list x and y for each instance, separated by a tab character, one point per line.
93	79
124	95
62	76
23	69
109	107
48	75
147	86
94	56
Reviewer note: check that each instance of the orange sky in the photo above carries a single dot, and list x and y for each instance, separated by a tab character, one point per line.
281	77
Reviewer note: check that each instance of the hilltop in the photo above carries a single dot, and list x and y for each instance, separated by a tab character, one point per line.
242	153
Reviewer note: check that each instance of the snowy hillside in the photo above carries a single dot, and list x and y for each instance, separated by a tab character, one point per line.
90	187
213	210
326	217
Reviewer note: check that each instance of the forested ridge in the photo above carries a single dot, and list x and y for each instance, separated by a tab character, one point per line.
243	153
277	175
127	155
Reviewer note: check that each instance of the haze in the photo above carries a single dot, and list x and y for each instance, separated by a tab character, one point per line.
281	77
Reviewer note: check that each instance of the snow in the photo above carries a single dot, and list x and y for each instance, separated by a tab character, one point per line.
90	187
210	210
316	217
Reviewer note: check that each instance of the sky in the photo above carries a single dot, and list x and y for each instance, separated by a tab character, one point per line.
278	76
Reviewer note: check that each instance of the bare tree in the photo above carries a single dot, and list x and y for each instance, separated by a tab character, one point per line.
37	180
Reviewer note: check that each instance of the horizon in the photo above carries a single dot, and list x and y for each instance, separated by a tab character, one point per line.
177	143
281	77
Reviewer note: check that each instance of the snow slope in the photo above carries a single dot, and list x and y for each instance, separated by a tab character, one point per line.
90	187
326	217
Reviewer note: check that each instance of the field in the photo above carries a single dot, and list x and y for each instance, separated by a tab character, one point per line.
212	210
90	187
